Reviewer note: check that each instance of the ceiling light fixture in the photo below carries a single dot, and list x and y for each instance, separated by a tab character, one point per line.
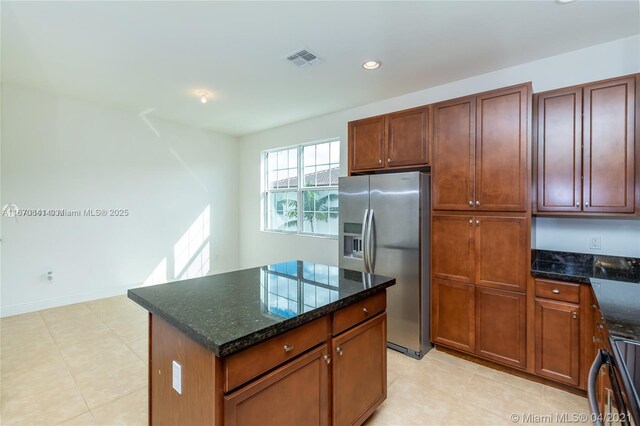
371	65
204	96
564	1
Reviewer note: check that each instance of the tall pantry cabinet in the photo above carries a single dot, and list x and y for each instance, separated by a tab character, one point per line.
480	224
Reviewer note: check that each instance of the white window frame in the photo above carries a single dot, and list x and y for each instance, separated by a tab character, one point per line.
300	189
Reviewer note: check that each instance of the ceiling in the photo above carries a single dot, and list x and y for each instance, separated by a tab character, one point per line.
152	55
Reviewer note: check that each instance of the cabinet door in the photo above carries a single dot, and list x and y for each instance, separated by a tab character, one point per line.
501	326
359	371
366	143
453	314
557	341
501	252
407	137
452	247
454	135
501	150
559	146
609	110
296	393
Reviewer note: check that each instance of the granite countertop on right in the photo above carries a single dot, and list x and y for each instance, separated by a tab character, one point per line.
615	281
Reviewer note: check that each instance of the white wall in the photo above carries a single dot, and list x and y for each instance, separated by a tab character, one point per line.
63	153
619	237
597	62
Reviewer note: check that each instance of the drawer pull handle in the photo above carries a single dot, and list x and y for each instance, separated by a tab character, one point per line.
555	291
327	359
339	350
365	310
288	348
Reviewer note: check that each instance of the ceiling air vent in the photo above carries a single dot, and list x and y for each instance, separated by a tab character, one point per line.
302	58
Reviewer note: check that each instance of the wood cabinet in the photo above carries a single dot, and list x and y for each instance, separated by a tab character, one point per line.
366	144
473	249
297	393
501	326
453	314
396	140
502	149
586	142
502	252
480	150
609	146
329	371
453	249
453	165
359	371
557	340
559	150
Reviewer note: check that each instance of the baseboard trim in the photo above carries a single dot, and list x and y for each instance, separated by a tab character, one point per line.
54	302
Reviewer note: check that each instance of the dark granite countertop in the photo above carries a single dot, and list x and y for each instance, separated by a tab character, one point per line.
615	282
232	311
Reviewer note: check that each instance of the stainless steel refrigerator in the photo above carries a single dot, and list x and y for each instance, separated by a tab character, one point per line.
384	229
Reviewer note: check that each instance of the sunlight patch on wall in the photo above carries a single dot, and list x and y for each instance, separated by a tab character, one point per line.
159	274
191	252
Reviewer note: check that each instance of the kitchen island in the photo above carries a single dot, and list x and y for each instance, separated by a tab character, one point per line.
294	343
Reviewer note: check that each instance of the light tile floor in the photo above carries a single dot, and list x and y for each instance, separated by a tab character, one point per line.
86	364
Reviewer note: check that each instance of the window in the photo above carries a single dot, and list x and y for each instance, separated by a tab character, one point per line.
301	189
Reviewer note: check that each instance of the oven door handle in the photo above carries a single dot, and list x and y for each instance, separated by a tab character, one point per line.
591	387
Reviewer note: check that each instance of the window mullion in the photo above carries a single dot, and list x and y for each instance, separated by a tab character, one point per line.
300	183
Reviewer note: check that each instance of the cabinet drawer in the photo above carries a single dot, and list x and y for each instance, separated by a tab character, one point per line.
358	312
249	363
556	290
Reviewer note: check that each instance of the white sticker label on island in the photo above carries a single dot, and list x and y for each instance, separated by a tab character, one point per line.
177	377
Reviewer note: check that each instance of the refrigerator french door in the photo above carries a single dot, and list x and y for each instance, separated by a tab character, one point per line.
384	229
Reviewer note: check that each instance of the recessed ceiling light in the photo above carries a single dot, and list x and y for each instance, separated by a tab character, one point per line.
564	1
204	96
371	65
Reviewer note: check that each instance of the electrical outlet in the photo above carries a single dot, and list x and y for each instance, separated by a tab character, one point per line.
595	242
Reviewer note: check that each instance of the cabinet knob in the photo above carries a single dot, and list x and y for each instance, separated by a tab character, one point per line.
586	204
470	221
379	161
555	291
287	348
471	203
339	350
577	204
388	160
477	222
574	314
365	310
477	203
327	359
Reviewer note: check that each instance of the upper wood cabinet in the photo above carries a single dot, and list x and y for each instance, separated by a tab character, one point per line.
480	151
396	140
452	170
585	139
366	143
609	139
559	146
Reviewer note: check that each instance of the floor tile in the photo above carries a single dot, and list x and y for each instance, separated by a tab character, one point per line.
130	410
105	384
85	419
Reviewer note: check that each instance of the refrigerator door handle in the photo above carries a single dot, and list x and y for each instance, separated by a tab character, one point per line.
365	244
370	243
